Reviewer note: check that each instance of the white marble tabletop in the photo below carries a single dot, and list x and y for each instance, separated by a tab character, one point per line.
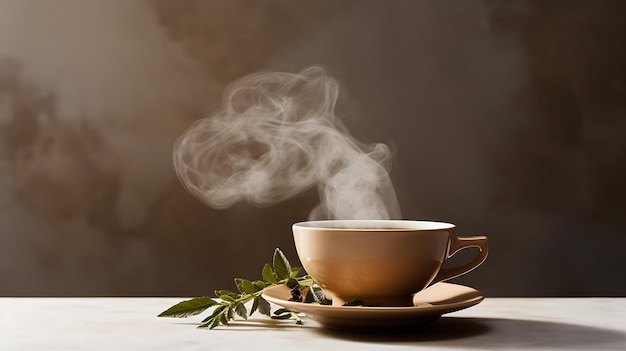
131	324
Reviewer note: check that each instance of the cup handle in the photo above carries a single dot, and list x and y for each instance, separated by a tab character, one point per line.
457	244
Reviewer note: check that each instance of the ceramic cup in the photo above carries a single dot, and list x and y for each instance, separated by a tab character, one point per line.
381	262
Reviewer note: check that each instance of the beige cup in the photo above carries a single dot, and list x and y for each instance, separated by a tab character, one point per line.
381	262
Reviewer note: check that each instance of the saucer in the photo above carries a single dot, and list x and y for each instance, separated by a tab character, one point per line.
429	304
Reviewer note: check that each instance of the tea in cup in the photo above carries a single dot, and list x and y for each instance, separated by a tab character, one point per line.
381	262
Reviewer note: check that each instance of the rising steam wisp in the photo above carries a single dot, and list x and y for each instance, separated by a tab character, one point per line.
276	136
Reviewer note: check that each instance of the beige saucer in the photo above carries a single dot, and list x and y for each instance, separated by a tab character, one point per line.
429	305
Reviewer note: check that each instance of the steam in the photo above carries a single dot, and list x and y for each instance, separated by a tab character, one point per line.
276	136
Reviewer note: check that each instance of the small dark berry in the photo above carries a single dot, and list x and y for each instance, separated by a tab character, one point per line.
296	294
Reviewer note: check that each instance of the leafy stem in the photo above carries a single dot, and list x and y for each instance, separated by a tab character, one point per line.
228	304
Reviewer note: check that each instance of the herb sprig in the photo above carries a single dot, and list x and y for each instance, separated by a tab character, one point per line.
229	304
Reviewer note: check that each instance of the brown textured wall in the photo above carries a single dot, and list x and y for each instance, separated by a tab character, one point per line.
506	118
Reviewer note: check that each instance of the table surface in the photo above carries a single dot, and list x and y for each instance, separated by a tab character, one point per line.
131	324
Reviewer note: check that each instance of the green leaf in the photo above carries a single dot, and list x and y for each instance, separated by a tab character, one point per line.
228	298
226	315
258	285
220	293
292	283
255	305
189	307
295	271
282	311
281	265
241	310
216	321
244	285
268	274
231	313
204	325
264	306
211	320
282	316
319	296
216	312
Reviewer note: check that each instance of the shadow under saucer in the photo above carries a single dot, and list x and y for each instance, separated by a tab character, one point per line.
497	333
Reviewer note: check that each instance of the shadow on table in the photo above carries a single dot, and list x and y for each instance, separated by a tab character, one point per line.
481	333
258	324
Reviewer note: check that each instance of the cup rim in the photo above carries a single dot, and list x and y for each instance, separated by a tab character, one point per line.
374	225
